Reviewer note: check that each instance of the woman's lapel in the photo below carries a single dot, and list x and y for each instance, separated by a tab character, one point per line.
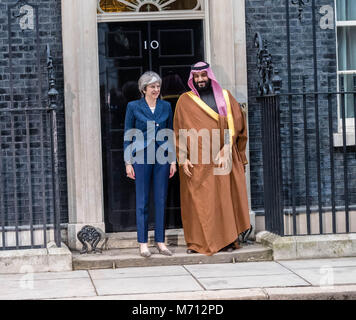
159	109
146	109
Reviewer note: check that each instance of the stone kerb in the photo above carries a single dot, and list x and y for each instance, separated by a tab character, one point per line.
308	247
50	259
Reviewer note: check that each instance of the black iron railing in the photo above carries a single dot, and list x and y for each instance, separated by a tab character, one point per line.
308	133
272	164
52	109
309	159
29	186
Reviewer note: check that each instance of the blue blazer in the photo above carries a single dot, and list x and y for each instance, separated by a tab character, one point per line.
138	113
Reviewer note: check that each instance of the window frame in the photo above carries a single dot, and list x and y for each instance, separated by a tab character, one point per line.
350	122
178	13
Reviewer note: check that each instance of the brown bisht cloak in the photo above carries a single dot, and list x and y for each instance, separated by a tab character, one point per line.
214	207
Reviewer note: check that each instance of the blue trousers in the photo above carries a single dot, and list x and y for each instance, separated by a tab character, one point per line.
151	176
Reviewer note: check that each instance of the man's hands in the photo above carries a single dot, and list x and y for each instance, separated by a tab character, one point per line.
224	158
187	164
172	170
130	172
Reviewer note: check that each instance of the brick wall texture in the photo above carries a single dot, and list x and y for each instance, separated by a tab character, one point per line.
269	18
24	138
25	153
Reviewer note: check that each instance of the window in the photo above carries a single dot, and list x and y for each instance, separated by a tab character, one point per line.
346	44
107	6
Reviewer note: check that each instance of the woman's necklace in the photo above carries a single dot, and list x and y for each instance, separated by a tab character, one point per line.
151	104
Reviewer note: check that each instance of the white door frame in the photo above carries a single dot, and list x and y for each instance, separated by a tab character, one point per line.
164	16
222	21
224	26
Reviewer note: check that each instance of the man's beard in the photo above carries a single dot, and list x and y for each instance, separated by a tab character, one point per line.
207	87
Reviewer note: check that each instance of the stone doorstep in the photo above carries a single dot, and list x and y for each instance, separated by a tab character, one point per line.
123	258
126	240
309	247
50	259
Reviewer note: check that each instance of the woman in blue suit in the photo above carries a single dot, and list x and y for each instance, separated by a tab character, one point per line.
147	117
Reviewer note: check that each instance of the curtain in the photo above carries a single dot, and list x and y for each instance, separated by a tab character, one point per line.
346	10
347	48
347	61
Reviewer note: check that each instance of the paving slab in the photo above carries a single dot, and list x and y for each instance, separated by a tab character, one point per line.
138	272
328	276
46	289
45	275
343	292
237	269
241	294
318	263
281	280
146	285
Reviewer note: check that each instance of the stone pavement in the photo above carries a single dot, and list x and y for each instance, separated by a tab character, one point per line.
299	279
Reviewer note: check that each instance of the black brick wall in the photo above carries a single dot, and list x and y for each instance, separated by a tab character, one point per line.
269	18
266	16
26	74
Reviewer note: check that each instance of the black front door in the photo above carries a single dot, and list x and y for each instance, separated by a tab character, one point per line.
126	50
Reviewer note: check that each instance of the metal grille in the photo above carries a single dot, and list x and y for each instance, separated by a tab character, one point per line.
29	196
295	203
309	186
